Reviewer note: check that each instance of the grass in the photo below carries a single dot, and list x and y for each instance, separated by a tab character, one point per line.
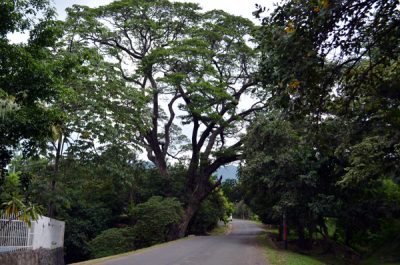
280	257
384	255
221	230
276	256
376	261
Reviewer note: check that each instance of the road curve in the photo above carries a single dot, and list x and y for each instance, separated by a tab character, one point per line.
237	248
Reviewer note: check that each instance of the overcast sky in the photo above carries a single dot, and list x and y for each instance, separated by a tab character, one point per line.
243	8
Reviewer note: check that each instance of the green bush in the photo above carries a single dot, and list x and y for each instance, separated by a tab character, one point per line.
112	241
154	219
216	207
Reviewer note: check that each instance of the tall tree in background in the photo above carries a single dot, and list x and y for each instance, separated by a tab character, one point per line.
83	129
191	68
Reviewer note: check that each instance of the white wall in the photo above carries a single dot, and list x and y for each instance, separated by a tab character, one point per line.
47	233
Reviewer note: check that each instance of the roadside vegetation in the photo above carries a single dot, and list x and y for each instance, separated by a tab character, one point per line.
221	229
276	254
326	157
83	101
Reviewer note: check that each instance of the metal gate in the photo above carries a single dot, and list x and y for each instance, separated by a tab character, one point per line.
14	234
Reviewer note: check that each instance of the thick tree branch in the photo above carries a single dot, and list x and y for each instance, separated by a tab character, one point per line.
220	161
168	125
125	77
115	44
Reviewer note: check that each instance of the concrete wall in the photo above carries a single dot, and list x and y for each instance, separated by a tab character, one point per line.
44	233
33	257
47	233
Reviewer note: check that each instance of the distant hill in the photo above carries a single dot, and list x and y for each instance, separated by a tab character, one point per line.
227	172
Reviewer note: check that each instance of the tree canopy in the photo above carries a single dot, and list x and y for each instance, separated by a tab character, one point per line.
180	68
331	68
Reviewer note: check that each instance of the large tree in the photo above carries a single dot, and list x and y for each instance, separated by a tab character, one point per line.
318	51
339	59
192	70
335	64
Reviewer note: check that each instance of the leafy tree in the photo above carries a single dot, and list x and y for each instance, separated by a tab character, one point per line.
328	69
92	193
213	209
314	49
231	189
27	82
290	170
332	59
189	67
15	207
242	210
279	170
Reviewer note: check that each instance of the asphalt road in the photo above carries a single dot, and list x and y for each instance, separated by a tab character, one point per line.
237	248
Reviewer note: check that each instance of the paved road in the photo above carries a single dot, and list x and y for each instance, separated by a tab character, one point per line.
237	248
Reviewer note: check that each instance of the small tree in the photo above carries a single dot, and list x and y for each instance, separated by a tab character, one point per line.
13	204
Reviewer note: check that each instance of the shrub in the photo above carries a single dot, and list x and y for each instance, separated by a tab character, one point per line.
112	241
216	207
154	219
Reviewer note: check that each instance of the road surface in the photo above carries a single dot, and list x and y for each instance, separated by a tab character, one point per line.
237	248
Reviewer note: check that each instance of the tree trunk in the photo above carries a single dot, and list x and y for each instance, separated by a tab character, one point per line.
187	217
51	206
180	230
348	236
198	189
302	237
324	229
280	232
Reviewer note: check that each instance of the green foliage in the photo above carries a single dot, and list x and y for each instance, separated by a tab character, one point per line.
154	219
152	184
13	205
231	189
92	193
333	149
83	222
278	164
308	53
214	208
112	241
18	16
202	64
243	211
28	82
277	256
10	187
